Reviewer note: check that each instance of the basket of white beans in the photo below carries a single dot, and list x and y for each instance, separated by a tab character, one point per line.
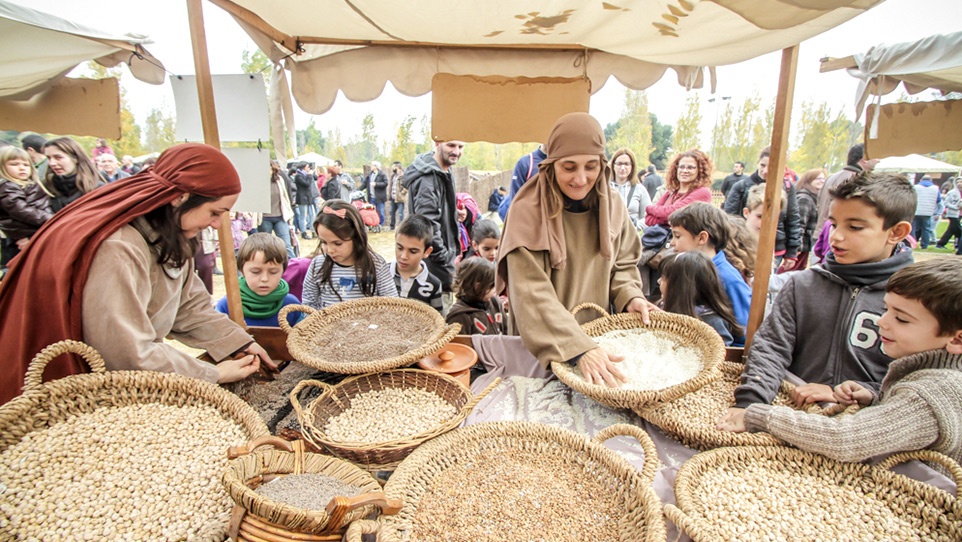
117	455
664	360
376	420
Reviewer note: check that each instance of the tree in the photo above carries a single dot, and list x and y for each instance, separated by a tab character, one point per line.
634	126
742	133
310	139
403	149
255	62
158	131
688	131
823	138
661	138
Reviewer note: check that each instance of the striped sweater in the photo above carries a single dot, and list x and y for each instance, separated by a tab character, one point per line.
344	278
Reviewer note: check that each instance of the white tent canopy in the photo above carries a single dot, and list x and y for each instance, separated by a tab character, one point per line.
915	163
316	159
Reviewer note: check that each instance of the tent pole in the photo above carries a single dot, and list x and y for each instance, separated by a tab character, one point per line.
208	117
773	190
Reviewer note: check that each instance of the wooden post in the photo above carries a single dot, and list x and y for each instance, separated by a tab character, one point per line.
773	190
208	118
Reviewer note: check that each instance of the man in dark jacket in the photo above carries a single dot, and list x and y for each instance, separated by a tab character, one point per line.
738	174
431	194
377	182
304	180
651	181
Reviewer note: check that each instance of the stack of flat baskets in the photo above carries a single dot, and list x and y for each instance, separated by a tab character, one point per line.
505	481
780	493
683	330
44	406
313	341
257	518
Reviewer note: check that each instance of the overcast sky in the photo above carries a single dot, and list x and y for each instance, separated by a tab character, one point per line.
165	22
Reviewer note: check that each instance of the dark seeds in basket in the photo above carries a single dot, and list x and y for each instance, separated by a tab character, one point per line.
372	336
306	491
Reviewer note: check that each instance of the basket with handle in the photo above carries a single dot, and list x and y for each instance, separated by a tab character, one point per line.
363	335
256	517
439	504
385	455
682	330
789	494
44	406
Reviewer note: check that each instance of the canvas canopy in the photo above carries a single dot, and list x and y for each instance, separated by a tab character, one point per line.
316	159
915	163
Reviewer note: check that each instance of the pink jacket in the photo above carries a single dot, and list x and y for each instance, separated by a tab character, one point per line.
658	213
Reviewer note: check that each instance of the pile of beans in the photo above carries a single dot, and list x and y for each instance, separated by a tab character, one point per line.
141	472
309	491
389	414
369	337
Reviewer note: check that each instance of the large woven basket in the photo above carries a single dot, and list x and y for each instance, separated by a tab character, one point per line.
692	418
379	456
825	499
257	517
484	445
317	327
43	405
683	330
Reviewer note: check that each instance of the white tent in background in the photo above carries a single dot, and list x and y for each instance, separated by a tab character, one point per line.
316	159
915	163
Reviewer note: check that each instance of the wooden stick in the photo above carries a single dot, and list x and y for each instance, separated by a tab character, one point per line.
829	64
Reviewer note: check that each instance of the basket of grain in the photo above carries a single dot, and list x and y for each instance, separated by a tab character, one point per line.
118	455
519	481
283	493
692	418
366	335
778	493
672	356
376	420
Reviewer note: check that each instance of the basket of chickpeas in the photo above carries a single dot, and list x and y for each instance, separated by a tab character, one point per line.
376	420
117	455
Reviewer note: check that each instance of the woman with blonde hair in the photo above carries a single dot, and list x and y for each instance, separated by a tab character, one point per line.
24	206
625	182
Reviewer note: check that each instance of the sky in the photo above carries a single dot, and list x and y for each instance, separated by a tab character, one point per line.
892	21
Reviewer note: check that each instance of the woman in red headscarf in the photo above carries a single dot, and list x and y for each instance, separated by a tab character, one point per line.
115	270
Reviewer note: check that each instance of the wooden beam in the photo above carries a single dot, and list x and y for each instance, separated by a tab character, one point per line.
289	42
773	190
829	64
317	40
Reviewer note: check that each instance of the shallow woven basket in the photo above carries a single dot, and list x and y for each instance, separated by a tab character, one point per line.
684	330
379	456
692	418
45	404
302	337
642	519
257	518
932	513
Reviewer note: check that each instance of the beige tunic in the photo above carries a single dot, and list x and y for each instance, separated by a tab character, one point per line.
130	306
541	297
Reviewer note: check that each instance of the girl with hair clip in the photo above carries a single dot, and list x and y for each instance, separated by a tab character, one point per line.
690	286
345	268
478	309
24	206
70	173
485	240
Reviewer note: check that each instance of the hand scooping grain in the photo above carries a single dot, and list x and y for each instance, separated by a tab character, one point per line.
652	361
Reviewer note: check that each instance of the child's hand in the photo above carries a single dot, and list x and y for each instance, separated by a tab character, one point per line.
598	367
850	392
807	394
733	420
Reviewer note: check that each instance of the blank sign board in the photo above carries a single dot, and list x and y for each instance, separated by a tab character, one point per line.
240	103
254	166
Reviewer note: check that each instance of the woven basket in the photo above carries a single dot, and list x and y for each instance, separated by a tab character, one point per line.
692	418
840	509
303	338
43	405
379	456
258	518
684	330
484	445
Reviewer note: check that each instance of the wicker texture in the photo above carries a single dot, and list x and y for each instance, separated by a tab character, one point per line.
379	456
45	404
932	513
303	338
692	418
481	444
683	330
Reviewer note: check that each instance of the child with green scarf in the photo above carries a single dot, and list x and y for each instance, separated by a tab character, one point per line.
262	259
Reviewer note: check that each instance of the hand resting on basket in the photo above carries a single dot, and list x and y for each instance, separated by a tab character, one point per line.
598	367
643	307
807	394
733	420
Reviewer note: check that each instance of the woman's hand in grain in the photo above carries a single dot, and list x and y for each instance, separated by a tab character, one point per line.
641	306
598	367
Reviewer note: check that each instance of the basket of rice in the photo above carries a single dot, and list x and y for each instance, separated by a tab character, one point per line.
376	420
520	481
366	335
692	418
118	455
672	356
778	493
283	493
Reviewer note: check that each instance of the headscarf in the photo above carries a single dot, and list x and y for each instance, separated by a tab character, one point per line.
42	293
529	223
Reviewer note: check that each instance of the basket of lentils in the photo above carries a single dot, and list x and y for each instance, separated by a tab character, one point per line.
366	335
376	420
117	455
284	493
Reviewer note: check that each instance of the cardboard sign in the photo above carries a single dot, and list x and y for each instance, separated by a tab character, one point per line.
83	107
905	128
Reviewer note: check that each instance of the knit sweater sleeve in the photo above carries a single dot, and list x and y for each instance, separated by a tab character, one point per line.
902	422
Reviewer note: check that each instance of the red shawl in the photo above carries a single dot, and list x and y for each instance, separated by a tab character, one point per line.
41	295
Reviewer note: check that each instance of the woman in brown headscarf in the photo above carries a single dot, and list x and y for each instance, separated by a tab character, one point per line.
115	270
568	240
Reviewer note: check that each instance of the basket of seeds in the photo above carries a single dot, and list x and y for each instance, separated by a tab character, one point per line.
376	420
117	455
366	335
283	493
778	493
692	418
672	356
519	481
